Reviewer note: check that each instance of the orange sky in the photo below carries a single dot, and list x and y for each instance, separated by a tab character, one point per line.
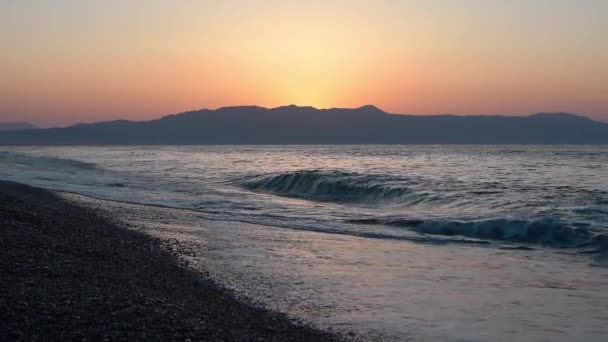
79	61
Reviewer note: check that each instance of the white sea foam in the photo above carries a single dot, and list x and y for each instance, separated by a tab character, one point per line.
538	195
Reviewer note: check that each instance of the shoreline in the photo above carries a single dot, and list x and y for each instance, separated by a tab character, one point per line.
68	273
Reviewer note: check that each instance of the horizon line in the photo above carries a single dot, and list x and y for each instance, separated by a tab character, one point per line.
309	107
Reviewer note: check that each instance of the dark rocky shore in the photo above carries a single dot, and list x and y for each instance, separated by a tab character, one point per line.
67	273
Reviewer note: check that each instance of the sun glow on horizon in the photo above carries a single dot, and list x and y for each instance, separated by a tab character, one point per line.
70	61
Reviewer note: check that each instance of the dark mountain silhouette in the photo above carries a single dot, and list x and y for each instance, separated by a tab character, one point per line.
308	125
15	126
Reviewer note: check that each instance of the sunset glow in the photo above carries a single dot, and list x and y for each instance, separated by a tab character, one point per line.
80	61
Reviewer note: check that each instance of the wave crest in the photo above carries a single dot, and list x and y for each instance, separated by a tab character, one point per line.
331	186
542	230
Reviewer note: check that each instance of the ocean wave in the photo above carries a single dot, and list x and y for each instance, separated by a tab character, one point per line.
539	231
334	186
52	163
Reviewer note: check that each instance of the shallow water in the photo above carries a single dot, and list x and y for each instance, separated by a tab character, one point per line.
423	242
390	290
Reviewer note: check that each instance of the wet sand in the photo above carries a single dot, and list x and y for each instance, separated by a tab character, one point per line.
67	273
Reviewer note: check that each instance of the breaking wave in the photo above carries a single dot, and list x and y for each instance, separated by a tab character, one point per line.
334	186
539	231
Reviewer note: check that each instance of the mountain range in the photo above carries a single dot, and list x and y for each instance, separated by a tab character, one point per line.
308	125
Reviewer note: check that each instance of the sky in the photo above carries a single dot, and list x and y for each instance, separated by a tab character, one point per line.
68	61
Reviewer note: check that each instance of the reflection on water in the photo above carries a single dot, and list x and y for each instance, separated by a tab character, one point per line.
513	196
390	289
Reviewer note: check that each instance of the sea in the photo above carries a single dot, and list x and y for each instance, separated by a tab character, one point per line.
395	243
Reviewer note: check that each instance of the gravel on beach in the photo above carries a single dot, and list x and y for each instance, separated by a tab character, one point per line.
67	273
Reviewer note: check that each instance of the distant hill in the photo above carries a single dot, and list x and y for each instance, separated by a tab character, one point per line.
308	125
15	126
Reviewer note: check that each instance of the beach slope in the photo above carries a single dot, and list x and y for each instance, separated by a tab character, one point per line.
67	273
